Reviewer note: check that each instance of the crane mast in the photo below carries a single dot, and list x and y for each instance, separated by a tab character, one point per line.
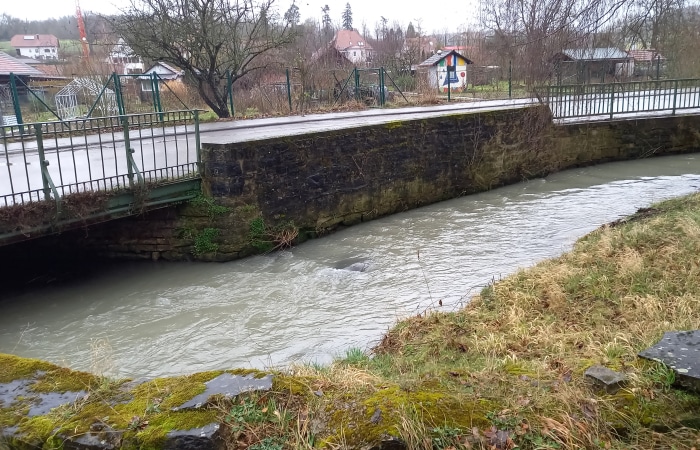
81	29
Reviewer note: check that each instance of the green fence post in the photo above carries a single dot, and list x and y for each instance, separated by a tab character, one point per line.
612	99
118	93
229	87
159	106
197	142
42	160
15	102
153	79
510	79
449	84
129	151
357	84
289	91
382	94
46	181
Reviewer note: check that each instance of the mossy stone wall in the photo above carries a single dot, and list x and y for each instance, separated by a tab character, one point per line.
314	183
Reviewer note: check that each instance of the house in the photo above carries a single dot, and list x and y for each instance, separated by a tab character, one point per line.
446	69
353	46
587	65
124	60
647	63
330	57
165	73
36	46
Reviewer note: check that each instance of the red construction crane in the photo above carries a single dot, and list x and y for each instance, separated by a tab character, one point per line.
81	29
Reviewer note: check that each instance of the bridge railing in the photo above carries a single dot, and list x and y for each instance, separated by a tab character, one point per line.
611	100
50	160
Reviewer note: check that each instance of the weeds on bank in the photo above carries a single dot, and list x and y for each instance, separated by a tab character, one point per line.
526	341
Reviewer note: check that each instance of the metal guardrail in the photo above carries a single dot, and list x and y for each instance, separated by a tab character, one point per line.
50	160
616	99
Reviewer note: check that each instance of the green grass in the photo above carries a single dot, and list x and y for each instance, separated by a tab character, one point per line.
7	48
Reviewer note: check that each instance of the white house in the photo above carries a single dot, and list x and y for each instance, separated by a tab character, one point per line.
36	46
123	58
353	46
446	69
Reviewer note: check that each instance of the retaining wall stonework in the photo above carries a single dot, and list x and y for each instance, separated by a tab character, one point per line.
264	192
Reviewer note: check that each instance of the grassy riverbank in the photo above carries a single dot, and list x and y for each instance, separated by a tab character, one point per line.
505	372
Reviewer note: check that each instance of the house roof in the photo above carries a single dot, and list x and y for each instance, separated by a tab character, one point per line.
8	65
330	54
437	57
175	72
121	48
646	55
34	40
345	39
594	54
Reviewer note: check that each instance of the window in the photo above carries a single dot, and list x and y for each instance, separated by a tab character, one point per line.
47	50
354	53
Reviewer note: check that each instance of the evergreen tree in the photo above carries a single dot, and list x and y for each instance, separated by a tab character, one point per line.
292	15
326	19
410	31
347	17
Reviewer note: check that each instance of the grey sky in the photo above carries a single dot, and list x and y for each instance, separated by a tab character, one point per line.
449	15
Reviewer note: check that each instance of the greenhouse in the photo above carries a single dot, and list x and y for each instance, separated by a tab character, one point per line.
78	97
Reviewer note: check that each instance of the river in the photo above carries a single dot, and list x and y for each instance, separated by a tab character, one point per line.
313	302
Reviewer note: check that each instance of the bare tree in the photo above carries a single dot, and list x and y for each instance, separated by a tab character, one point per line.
530	32
205	38
651	23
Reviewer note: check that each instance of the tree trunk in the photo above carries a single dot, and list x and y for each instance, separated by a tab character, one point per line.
211	97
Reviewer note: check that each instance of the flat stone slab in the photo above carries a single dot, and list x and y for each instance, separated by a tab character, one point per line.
679	350
229	386
606	378
40	402
207	437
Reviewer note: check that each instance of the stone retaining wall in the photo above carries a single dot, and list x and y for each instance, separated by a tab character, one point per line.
264	194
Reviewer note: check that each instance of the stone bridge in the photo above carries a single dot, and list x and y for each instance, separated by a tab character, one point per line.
276	184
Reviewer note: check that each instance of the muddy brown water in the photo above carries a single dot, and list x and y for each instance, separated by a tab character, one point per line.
316	301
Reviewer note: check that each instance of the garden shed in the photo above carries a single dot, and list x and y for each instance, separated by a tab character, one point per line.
445	69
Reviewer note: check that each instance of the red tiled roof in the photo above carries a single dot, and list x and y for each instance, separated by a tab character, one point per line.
8	65
34	40
645	55
349	38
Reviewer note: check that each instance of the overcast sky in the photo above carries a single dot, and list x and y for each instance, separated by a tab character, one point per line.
452	16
